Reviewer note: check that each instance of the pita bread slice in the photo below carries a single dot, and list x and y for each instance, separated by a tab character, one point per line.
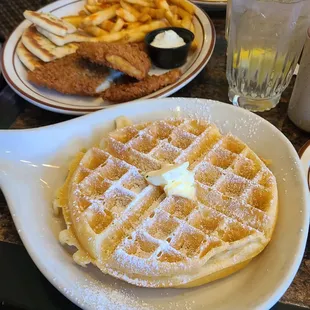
43	48
50	23
69	38
28	59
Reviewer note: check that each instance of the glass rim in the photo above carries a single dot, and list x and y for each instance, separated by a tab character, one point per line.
283	1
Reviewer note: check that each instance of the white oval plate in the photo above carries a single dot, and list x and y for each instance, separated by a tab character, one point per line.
16	75
34	164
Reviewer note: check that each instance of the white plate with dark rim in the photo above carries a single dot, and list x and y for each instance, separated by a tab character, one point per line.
29	177
16	75
304	154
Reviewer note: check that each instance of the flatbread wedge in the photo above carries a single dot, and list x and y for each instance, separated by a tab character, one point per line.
43	48
61	41
28	59
50	23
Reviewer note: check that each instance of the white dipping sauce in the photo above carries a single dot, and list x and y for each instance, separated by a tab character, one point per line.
168	39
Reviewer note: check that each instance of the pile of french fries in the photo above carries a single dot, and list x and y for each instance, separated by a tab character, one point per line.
130	20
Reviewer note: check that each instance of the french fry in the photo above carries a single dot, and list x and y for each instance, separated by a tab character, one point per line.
111	37
126	15
149	26
184	4
92	2
128	7
133	25
179	11
119	24
107	25
95	31
192	28
194	43
186	22
131	20
104	2
145	3
163	4
98	17
145	18
107	5
83	13
154	13
173	21
174	9
137	7
133	37
75	20
92	8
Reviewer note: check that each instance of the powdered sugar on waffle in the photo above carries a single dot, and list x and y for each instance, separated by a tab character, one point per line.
169	238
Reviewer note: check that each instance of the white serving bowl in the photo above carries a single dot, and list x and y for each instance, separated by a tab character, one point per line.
34	163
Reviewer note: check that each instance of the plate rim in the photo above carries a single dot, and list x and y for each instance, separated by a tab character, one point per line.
290	274
211	4
78	110
301	153
302	150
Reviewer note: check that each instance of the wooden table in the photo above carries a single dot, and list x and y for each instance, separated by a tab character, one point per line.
210	83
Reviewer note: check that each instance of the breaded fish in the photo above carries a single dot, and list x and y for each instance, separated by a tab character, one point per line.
127	92
72	75
127	58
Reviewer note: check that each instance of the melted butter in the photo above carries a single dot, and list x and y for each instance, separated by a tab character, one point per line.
175	179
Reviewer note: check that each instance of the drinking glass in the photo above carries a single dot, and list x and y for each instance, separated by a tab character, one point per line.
265	39
228	11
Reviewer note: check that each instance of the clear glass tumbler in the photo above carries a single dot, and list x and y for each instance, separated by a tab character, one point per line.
265	40
228	12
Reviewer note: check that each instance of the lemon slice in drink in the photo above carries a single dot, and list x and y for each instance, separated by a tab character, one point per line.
261	64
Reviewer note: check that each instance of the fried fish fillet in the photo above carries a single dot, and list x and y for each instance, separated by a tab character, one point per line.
127	58
126	92
72	75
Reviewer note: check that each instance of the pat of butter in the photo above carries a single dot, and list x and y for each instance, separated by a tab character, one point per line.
175	179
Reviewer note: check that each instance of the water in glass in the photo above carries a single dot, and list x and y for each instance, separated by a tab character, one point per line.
265	40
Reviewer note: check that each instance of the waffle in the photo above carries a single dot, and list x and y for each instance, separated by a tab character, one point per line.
131	230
